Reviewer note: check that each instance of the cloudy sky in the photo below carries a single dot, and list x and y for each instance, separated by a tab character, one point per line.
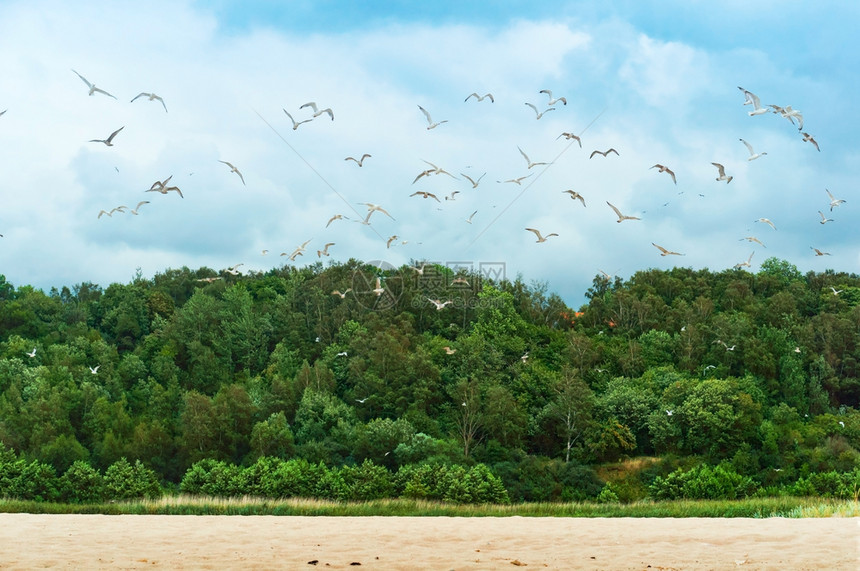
657	81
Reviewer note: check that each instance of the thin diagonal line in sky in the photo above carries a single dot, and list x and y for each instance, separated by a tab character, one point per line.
534	180
316	172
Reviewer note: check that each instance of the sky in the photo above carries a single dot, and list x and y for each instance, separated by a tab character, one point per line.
656	81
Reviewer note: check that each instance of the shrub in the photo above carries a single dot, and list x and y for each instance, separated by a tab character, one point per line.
82	484
124	481
703	483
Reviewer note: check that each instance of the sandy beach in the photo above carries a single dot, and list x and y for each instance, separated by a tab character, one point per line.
270	542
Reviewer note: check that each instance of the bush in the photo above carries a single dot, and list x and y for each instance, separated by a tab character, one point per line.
124	481
366	481
82	484
34	481
606	495
703	483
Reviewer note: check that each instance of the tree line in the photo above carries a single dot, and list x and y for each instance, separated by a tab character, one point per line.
751	373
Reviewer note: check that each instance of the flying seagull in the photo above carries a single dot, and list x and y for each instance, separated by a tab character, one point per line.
32	353
481	97
139	204
528	160
574	196
540	238
335	217
569	136
808	138
299	251
833	200
152	97
425	194
234	169
746	264
469	219
752	99
359	162
823	219
604	153
722	171
540	114
663	168
753	155
766	221
233	270
95	370
109	140
371	208
295	124
440	305
340	294
318	112
621	217
430	123
819	252
93	88
665	252
553	101
518	181
324	251
473	181
753	239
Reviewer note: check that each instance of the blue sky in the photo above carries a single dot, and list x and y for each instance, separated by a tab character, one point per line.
658	81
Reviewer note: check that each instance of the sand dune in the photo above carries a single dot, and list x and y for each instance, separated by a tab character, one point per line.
271	542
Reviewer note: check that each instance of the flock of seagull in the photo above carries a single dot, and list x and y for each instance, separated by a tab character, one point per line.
311	111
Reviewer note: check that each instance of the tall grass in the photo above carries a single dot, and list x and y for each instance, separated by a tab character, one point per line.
789	507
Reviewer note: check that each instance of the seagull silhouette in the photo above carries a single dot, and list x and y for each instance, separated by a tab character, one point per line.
430	123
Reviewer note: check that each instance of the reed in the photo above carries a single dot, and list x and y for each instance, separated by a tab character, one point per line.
789	507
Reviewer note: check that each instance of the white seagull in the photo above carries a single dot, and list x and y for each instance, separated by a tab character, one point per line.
109	140
371	208
469	219
540	238
539	114
95	370
340	294
574	196
430	123
833	200
93	88
324	251
481	97
722	171
823	219
766	221
473	181
136	208
752	98
318	112
152	97
665	169
440	305
746	264
553	101
808	139
621	217
234	169
359	162
296	124
819	252
569	136
528	160
753	155
32	353
299	251
233	271
665	252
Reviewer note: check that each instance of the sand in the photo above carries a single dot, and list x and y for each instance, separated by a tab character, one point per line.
271	542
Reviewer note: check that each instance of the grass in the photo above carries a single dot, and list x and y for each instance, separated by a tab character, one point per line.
789	507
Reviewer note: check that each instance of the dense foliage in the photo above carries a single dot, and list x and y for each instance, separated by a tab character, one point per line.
738	382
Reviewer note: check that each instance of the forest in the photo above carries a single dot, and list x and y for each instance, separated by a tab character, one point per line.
354	381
